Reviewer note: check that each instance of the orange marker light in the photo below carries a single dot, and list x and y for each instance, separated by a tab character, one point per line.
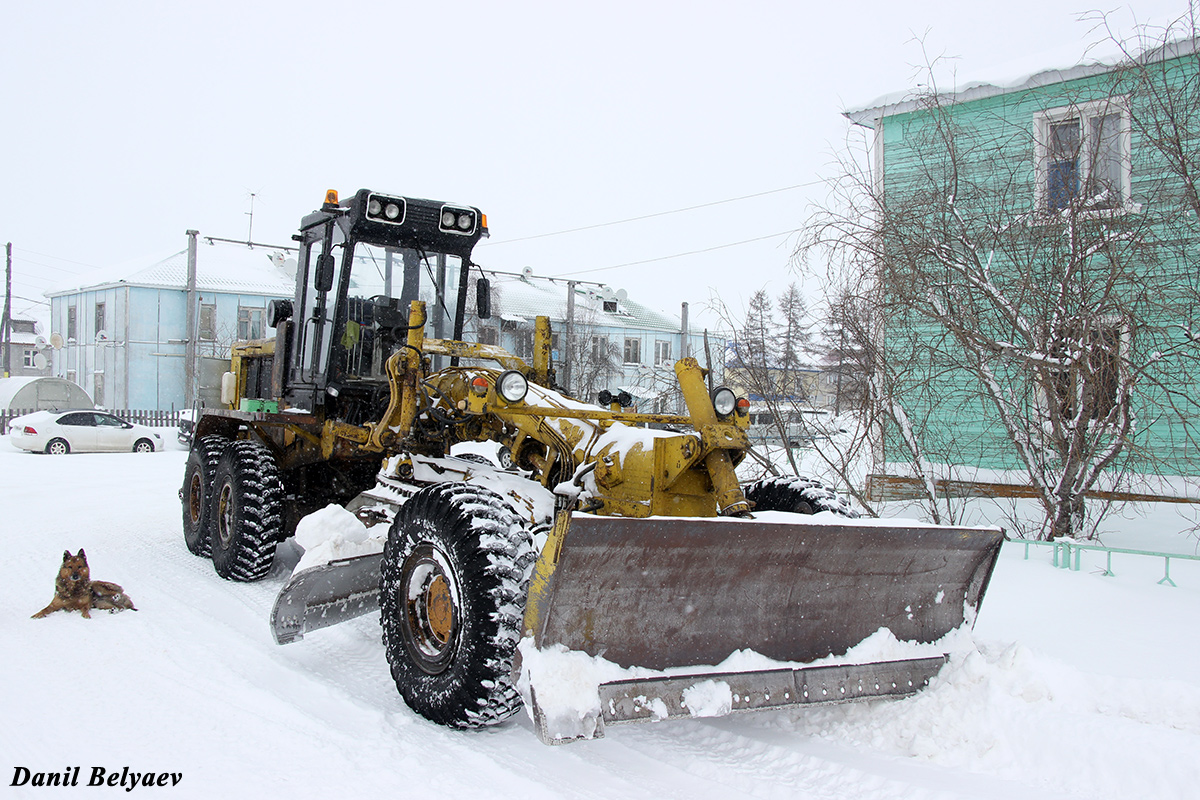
479	386
743	406
331	197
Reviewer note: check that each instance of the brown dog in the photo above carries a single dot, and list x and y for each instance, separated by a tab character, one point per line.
74	590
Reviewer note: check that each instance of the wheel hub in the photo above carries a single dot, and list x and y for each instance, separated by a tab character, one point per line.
225	516
439	608
195	492
430	608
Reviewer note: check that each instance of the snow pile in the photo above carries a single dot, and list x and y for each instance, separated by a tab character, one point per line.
333	533
1004	710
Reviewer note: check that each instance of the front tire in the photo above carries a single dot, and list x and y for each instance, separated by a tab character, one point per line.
246	515
143	446
197	492
796	495
452	594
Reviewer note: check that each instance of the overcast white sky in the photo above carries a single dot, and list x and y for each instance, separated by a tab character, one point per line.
125	124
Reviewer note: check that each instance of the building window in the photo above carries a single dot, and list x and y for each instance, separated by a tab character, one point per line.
1092	379
523	344
71	322
99	319
633	351
98	388
662	352
27	360
610	306
250	323
599	348
1083	157
488	336
208	322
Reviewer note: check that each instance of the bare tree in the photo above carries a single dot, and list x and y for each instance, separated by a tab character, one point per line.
594	359
771	358
1040	332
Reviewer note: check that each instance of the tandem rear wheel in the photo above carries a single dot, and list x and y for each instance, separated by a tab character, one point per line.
232	498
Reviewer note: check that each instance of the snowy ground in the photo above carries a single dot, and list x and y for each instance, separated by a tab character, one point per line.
1076	685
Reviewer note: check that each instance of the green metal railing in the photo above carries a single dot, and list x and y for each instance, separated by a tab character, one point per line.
1064	550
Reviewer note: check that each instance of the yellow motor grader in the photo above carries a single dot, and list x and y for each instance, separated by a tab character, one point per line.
618	535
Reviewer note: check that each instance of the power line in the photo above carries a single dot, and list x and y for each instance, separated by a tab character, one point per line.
31	300
657	214
678	255
56	258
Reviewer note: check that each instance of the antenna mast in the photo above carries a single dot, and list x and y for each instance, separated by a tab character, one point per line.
250	233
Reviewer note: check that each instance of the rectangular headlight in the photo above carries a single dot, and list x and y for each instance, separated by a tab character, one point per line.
453	219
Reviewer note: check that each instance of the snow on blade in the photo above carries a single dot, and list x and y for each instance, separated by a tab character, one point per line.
709	698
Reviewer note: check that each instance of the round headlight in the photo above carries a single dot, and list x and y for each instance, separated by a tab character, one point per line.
392	211
374	207
724	401
512	386
464	222
447	219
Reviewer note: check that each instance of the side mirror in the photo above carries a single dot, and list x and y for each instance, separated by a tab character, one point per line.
323	280
483	298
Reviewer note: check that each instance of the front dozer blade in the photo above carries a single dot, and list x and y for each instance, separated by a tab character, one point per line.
326	595
668	593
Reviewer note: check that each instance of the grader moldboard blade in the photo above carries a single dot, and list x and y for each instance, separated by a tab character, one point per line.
326	595
667	593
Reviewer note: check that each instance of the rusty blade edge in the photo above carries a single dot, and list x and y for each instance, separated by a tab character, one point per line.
637	699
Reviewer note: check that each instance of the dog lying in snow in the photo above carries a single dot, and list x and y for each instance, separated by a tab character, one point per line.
74	590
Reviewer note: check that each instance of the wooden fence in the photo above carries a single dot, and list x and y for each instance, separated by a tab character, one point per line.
155	419
899	487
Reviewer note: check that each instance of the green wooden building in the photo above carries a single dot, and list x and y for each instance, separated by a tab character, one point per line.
1034	269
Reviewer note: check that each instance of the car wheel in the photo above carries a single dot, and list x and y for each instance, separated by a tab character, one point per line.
452	590
58	447
143	446
504	456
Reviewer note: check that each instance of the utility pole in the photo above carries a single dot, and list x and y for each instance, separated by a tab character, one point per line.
8	310
189	356
681	406
569	342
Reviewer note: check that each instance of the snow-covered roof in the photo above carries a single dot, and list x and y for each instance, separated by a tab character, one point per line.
220	267
24	331
913	100
526	297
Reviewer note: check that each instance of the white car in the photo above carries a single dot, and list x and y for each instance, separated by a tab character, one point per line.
60	432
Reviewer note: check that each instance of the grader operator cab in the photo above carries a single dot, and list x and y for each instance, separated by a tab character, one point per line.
621	536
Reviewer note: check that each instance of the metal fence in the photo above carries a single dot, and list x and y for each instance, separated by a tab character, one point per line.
1067	555
155	419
